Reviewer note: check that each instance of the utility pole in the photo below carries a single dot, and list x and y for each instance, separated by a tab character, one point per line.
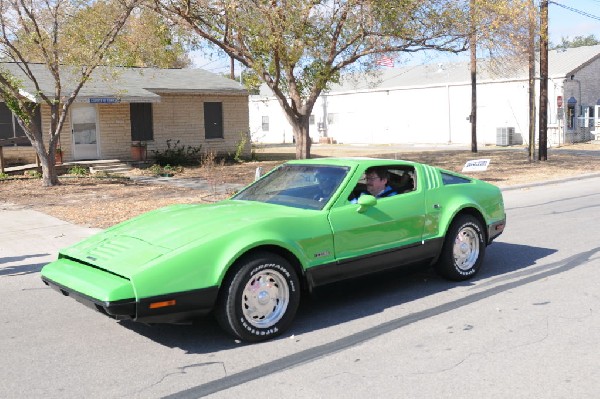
531	51
543	126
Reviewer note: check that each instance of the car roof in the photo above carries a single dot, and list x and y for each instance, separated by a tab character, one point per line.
351	162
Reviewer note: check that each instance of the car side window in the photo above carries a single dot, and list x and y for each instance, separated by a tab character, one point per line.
397	180
449	179
402	180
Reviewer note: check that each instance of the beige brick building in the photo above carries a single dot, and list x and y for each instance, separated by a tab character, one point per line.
148	106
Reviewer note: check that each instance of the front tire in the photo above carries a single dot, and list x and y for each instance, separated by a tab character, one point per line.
463	249
259	298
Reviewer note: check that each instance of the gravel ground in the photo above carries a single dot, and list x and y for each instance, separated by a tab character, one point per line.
102	202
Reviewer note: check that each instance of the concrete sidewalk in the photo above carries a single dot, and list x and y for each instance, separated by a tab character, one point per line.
45	236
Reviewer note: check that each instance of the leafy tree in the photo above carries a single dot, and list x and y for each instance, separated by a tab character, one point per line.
299	47
147	40
577	41
69	38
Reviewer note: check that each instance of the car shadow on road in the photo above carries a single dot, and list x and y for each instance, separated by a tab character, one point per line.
342	302
345	301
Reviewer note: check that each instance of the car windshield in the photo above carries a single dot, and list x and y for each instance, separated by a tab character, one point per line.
299	186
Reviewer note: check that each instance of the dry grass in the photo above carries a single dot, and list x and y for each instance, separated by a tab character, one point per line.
104	202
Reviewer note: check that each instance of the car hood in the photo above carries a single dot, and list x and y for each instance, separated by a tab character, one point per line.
127	247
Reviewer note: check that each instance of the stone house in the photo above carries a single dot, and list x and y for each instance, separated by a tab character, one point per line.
120	110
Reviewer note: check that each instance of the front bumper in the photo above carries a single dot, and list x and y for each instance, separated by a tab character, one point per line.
114	295
120	310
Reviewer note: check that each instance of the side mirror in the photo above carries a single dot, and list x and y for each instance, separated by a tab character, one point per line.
365	201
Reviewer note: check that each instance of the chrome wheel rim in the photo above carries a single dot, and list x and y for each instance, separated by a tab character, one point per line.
265	298
466	248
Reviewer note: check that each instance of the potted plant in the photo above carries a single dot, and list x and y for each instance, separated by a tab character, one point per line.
58	160
138	150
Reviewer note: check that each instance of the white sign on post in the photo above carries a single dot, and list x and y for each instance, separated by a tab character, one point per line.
476	165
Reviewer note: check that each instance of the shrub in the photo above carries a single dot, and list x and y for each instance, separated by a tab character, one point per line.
78	170
241	145
33	174
176	154
155	169
166	170
3	175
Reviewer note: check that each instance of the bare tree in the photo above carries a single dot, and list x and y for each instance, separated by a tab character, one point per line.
56	41
297	48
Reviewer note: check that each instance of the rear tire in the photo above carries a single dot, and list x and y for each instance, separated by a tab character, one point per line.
463	249
259	298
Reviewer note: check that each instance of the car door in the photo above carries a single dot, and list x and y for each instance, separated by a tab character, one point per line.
384	229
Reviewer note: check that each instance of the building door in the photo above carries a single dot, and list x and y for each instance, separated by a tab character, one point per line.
84	127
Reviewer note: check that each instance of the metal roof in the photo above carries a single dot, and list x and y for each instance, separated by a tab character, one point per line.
561	64
130	84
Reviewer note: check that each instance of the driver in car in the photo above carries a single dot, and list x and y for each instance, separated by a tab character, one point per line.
377	184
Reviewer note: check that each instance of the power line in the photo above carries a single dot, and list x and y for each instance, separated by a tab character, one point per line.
575	10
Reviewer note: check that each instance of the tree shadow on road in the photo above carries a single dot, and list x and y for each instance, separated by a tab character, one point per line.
6	269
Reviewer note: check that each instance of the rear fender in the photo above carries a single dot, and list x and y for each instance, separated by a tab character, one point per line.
443	208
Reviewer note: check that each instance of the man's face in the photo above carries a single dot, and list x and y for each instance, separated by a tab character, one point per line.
375	185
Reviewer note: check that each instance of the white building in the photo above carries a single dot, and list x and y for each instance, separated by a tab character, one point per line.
431	104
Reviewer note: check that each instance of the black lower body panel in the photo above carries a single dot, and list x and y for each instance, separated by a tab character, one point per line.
170	308
186	306
427	251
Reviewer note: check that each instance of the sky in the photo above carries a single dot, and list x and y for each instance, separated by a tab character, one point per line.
563	22
567	23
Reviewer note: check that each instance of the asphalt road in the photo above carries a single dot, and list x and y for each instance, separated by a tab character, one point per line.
527	327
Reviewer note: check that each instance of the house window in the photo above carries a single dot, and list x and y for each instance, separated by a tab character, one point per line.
9	126
213	120
265	123
589	117
331	118
311	120
141	122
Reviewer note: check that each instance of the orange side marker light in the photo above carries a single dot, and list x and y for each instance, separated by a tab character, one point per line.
163	304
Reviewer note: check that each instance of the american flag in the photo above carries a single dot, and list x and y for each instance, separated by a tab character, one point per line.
385	61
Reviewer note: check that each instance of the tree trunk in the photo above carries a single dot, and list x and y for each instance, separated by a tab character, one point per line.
49	176
35	135
298	115
473	48
543	125
47	160
302	137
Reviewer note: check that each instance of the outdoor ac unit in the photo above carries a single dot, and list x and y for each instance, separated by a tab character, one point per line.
505	136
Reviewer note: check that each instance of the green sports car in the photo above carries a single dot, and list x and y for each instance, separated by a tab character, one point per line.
305	224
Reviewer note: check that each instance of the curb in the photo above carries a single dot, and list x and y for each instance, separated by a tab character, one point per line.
548	182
